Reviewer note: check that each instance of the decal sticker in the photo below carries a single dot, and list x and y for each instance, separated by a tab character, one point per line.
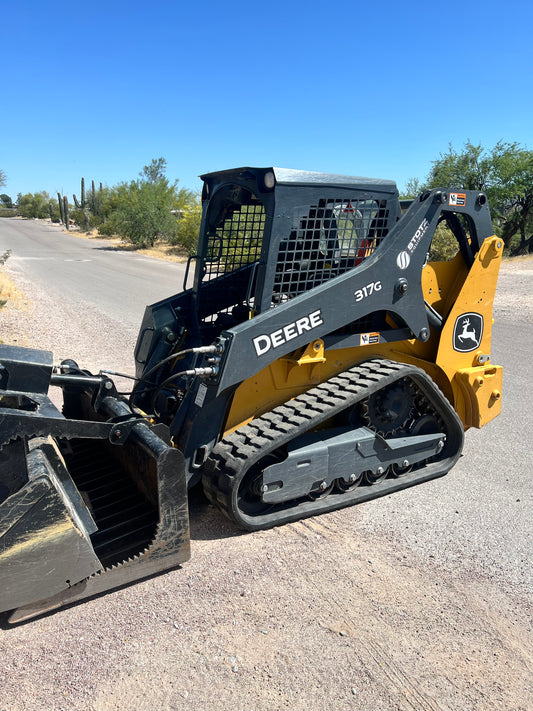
403	260
200	395
266	341
467	332
421	231
457	199
367	290
368	339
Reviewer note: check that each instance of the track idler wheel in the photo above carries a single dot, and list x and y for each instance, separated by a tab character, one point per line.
372	478
346	486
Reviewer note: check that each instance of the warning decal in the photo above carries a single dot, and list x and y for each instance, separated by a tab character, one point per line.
367	339
457	199
200	395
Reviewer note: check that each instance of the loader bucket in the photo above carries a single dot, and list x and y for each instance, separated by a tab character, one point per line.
98	502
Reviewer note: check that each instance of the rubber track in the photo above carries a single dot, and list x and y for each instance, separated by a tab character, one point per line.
233	456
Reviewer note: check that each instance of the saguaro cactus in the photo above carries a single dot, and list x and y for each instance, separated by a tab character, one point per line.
84	205
80	204
65	210
89	203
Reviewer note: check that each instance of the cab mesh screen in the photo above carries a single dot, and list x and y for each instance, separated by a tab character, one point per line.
236	241
327	240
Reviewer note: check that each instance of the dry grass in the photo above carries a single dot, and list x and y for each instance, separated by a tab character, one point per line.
10	293
515	264
519	258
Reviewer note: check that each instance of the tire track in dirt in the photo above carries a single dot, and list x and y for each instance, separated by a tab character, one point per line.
381	665
450	642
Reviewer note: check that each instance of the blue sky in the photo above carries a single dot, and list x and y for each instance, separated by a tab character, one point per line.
377	89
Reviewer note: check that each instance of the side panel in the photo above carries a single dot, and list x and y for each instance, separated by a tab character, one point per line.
465	343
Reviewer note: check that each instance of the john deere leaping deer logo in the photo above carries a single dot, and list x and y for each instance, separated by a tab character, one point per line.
467	332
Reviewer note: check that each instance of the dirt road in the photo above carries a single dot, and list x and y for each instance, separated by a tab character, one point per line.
409	602
316	615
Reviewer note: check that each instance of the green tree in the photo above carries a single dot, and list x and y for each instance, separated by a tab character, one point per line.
34	205
471	169
141	211
154	172
505	173
188	212
412	189
511	197
6	200
3	178
150	208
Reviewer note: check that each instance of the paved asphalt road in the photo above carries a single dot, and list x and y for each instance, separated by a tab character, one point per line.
89	272
475	520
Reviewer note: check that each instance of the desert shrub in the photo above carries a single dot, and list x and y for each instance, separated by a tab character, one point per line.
444	245
34	205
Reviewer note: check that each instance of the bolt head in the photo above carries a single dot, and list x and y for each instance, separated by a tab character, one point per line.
402	286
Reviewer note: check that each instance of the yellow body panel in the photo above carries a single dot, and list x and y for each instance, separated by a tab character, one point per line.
474	401
468	380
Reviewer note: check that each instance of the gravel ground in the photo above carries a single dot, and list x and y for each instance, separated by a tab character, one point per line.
514	297
69	329
321	614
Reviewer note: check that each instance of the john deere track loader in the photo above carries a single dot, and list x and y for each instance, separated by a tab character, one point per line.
317	359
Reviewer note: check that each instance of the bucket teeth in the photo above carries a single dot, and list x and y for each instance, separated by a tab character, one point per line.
126	520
